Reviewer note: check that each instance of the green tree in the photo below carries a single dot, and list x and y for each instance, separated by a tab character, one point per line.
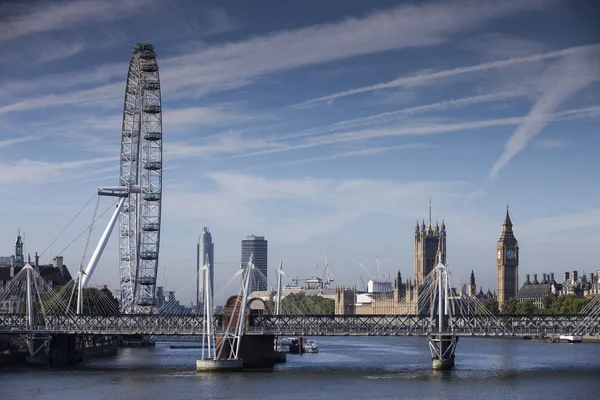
300	304
95	301
527	308
490	305
510	306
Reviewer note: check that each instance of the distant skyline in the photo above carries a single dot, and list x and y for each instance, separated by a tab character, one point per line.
320	126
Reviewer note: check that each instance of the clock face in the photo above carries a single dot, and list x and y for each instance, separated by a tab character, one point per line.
499	254
510	254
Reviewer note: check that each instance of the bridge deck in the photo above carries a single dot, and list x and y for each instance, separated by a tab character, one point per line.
307	325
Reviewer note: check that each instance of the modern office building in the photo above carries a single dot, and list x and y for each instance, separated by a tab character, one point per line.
256	246
205	249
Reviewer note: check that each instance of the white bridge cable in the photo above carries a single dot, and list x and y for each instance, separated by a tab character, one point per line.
87	242
85	230
307	305
479	309
591	320
426	292
69	224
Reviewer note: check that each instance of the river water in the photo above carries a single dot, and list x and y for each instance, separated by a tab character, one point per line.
345	368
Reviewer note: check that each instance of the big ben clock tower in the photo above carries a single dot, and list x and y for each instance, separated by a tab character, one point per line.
507	261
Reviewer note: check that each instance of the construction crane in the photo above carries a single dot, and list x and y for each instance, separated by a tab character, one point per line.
365	288
366	270
326	277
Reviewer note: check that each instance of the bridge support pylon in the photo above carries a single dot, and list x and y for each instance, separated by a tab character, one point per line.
442	341
442	349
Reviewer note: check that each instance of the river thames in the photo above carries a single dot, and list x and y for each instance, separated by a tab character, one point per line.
345	368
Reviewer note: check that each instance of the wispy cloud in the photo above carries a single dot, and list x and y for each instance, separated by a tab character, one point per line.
245	201
354	153
32	171
217	68
224	143
12	142
563	223
392	116
106	96
552	144
560	81
42	17
190	117
427	77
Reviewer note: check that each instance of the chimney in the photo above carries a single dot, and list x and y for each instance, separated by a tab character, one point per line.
58	262
552	276
535	281
566	276
574	276
591	277
527	282
544	280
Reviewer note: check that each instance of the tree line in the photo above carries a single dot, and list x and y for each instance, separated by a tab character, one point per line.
551	305
301	304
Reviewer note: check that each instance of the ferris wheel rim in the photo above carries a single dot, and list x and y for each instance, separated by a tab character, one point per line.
141	165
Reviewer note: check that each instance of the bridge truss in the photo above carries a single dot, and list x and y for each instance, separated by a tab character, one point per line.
288	325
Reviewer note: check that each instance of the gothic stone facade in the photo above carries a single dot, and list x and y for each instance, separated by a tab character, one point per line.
507	263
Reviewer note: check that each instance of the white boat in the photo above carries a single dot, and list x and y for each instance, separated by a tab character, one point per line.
310	346
571	338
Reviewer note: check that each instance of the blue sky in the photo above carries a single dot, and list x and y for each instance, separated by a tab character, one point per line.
319	126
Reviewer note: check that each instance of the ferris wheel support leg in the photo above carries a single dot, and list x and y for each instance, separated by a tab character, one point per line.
89	270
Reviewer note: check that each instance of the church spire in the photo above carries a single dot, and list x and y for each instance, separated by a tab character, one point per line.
472	280
19	259
507	220
430	211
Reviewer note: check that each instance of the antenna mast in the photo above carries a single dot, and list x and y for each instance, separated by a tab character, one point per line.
430	211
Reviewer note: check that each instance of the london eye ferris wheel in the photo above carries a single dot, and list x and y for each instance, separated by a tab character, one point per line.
141	165
140	187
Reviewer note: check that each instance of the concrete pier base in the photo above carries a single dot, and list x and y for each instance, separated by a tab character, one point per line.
442	364
36	360
442	349
279	357
219	365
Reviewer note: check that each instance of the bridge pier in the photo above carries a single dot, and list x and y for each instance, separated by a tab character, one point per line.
442	349
255	352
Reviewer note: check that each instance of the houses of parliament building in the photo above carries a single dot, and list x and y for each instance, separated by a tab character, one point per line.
430	248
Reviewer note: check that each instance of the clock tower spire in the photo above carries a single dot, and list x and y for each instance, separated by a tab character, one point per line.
507	262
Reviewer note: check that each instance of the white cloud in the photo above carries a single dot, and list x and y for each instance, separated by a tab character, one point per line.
294	210
346	154
11	142
552	144
416	130
561	80
42	17
392	116
225	143
406	26
477	194
497	46
562	223
198	116
427	77
31	171
106	96
231	65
